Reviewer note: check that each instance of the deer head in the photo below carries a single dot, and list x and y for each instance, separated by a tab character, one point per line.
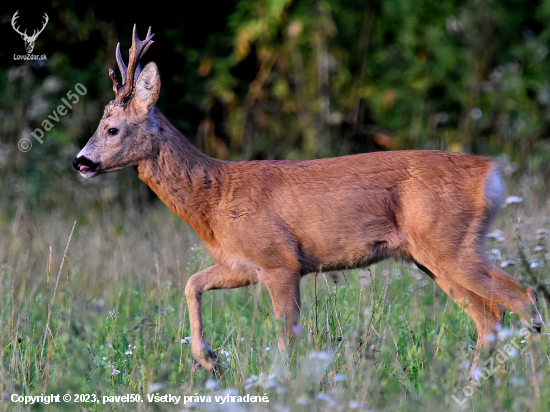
122	137
29	40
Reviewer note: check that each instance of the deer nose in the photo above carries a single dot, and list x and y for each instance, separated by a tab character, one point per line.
82	164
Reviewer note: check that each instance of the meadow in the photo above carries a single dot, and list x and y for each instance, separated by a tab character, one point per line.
93	303
93	272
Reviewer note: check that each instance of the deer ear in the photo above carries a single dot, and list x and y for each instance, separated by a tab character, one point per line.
147	87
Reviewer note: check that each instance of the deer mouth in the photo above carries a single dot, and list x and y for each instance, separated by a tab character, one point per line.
85	166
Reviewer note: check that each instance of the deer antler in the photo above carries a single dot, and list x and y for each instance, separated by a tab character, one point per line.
24	34
13	19
37	32
138	49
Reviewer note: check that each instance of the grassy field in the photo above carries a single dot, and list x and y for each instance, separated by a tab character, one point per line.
109	318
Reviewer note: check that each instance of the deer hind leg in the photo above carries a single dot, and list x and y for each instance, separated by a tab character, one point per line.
215	277
284	289
484	279
487	315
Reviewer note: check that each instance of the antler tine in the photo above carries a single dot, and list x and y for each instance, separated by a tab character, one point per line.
149	36
46	20
14	19
138	49
148	40
36	32
121	66
14	22
112	75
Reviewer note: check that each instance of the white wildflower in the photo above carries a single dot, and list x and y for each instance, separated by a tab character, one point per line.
340	378
302	400
226	354
476	113
212	384
186	340
507	263
511	200
128	352
268	383
498	235
504	333
495	254
515	381
543	231
326	398
253	378
155	387
320	355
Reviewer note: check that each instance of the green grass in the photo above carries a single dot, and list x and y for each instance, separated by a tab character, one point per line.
383	338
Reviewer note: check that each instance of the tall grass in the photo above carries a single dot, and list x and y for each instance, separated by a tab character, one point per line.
111	319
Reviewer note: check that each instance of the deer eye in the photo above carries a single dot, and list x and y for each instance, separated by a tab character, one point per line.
113	131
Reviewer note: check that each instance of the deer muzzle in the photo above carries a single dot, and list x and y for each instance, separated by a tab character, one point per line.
85	166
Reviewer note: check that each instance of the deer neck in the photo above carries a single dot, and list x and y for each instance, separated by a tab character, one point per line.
183	177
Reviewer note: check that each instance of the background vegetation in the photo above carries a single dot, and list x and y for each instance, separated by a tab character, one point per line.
265	79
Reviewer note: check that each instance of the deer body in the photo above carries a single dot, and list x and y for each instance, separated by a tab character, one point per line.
275	221
326	214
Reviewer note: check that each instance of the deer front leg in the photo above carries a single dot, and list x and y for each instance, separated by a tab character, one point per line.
215	277
284	289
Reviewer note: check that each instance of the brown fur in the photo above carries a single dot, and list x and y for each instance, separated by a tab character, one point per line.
275	221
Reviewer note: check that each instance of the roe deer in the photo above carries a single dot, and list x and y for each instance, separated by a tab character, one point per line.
276	221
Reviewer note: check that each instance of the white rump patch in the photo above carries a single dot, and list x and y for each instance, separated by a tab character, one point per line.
494	189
